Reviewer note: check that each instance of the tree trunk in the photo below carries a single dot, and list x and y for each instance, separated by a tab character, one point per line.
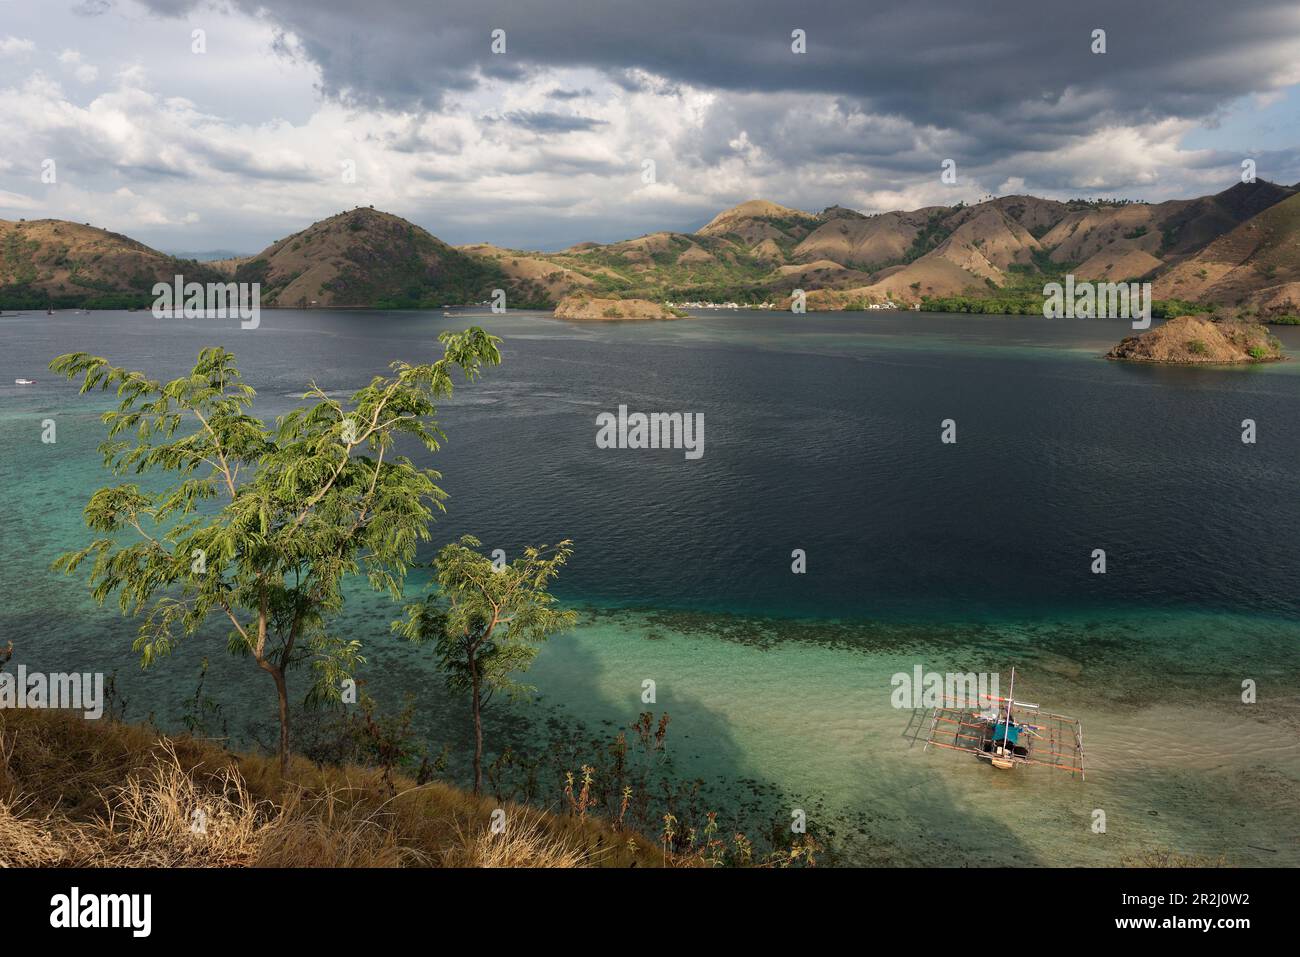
276	672
282	691
478	736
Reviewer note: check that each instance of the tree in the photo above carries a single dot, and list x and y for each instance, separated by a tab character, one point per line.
320	496
487	621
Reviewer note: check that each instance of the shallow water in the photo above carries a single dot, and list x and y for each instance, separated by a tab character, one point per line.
822	434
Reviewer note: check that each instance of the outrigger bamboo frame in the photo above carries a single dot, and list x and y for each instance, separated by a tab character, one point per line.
1057	726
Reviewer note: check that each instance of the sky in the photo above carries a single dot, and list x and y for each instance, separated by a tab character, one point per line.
198	126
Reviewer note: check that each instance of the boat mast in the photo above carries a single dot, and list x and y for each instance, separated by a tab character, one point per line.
1006	728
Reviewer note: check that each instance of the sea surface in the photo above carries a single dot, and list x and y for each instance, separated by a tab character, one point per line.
822	433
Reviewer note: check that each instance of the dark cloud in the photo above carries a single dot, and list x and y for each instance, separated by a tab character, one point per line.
559	94
92	8
884	92
538	121
940	62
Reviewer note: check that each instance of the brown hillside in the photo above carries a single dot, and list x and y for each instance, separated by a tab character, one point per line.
69	264
364	257
819	274
550	276
928	276
1082	234
1236	248
1034	214
1257	264
1200	221
998	240
1117	265
757	220
864	240
613	310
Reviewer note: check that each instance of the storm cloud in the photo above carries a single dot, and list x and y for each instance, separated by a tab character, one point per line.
544	144
1016	70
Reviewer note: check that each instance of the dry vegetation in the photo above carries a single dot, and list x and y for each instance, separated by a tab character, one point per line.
580	306
64	264
1197	339
1234	249
104	794
1164	857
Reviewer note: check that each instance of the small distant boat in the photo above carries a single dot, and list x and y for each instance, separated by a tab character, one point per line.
24	382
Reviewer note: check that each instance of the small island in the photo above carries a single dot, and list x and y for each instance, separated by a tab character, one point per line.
1198	339
612	310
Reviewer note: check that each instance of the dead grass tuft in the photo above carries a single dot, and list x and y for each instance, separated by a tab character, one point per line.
103	794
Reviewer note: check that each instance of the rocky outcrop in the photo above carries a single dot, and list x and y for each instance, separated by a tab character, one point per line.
1195	339
613	310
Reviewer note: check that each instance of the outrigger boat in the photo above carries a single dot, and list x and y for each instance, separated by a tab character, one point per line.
1010	733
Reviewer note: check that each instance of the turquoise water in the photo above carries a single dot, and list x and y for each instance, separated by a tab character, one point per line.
822	434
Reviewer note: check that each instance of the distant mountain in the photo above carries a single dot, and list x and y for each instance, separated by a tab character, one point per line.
1004	249
999	251
46	262
364	257
1236	249
209	255
1254	266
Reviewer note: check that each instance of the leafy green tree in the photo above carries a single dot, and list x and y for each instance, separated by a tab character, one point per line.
487	620
257	525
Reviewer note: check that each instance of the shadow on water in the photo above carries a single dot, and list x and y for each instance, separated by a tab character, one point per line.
923	818
579	715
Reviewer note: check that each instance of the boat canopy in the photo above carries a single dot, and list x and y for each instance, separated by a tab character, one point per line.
1002	731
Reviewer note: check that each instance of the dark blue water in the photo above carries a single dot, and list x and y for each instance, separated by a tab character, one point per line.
822	433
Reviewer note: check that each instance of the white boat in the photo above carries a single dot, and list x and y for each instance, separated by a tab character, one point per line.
24	382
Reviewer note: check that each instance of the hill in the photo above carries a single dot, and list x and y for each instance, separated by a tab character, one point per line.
852	239
46	262
1255	266
757	220
581	306
997	254
1237	249
364	257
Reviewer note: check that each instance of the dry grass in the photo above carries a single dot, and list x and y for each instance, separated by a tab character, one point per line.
1163	857
92	794
26	843
525	841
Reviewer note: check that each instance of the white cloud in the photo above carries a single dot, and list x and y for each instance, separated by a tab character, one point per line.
15	46
84	72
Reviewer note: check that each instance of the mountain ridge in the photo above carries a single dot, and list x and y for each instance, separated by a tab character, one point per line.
998	251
